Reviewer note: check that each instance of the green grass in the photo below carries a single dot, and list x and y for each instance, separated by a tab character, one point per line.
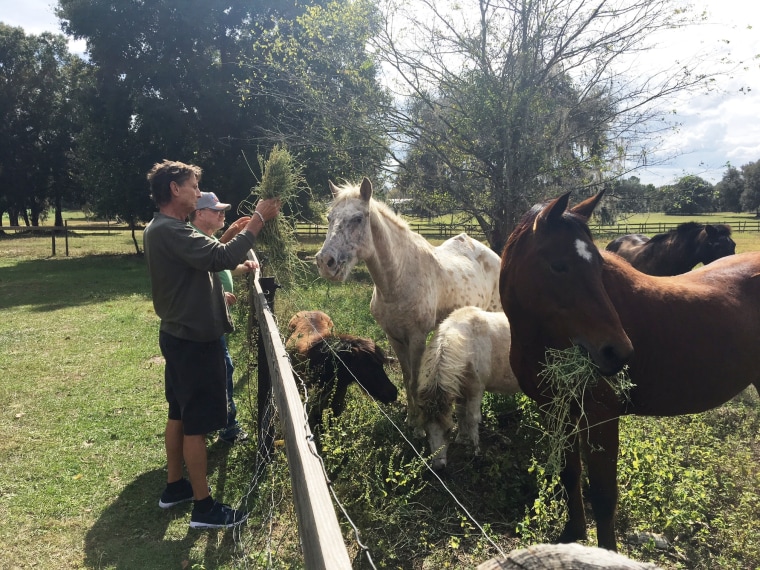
82	460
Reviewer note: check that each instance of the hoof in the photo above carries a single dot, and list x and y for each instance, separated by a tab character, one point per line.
439	464
569	536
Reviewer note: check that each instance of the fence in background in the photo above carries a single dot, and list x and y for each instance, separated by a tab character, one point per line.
83	240
444	231
79	240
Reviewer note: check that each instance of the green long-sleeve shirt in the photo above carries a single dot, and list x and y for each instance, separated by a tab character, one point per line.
187	293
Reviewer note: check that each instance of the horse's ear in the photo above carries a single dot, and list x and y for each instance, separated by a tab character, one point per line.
711	231
333	188
586	208
366	189
553	211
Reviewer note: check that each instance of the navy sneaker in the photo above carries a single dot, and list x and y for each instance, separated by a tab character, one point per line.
184	495
233	435
220	516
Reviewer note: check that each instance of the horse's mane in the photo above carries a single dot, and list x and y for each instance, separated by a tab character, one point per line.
351	191
685	230
689	229
362	345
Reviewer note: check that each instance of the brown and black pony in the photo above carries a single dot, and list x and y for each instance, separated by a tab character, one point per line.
330	362
690	341
676	251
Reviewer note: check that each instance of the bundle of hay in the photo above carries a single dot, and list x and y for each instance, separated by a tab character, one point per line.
567	375
281	178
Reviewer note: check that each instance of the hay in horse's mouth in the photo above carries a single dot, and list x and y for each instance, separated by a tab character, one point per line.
567	375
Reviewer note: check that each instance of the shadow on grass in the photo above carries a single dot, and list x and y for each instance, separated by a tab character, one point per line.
51	284
133	532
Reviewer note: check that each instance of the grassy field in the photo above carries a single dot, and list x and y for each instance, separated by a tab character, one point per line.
82	461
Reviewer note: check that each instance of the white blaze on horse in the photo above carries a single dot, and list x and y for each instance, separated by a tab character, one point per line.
417	285
467	356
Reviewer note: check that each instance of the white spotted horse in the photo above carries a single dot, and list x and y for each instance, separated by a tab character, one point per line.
416	284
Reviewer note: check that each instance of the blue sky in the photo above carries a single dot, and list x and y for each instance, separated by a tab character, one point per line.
716	128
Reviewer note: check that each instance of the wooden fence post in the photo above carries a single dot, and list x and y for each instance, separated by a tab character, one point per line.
264	393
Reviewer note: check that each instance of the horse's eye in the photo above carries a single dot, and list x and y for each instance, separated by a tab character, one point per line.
558	267
356	220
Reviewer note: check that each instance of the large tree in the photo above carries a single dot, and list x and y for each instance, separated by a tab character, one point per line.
37	124
218	83
513	102
750	199
690	195
319	82
729	190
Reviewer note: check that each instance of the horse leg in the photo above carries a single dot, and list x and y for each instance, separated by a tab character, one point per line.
404	353
575	528
413	412
601	460
469	415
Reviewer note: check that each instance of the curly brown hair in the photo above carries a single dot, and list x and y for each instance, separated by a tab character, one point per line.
164	173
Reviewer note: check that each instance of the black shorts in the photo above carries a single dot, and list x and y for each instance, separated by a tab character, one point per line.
195	383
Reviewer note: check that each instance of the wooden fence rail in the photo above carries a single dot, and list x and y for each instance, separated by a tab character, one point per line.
321	539
444	231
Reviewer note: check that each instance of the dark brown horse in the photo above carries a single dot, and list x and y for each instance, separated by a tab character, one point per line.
690	341
330	362
676	251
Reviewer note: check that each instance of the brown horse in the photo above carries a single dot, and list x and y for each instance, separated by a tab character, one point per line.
676	251
690	341
330	362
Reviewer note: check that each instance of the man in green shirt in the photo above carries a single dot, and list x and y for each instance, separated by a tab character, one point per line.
189	299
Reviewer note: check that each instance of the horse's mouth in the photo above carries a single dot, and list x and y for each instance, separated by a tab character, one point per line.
331	275
608	359
332	272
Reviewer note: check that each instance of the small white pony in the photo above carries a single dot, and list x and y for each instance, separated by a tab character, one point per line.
468	355
417	285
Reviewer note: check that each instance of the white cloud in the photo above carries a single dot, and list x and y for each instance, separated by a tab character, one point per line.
35	16
722	126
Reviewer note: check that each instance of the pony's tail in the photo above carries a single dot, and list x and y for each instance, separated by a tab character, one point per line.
441	376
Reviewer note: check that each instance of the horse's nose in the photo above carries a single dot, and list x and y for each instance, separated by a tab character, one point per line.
325	259
612	359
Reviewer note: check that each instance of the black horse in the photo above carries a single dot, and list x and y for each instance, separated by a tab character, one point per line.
330	362
676	251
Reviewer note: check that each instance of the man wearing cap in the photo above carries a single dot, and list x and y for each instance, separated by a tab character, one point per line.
188	298
208	218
